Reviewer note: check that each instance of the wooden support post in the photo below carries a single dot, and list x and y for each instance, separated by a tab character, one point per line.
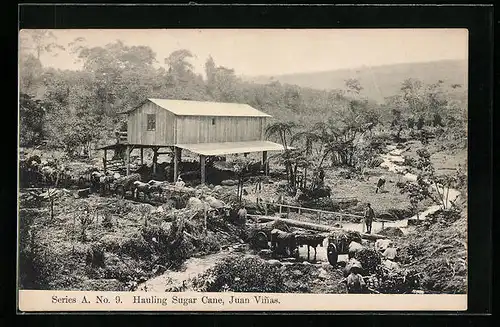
142	156
202	168
287	212
383	223
105	159
127	154
319	216
264	163
177	160
280	209
155	159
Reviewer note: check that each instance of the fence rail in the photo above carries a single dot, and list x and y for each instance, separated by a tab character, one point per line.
318	212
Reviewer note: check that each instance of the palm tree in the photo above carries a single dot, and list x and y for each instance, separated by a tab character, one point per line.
282	130
310	137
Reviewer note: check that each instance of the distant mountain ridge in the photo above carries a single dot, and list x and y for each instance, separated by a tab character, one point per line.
378	82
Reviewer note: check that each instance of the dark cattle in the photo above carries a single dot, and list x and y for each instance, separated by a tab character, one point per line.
105	183
283	243
126	183
311	240
380	184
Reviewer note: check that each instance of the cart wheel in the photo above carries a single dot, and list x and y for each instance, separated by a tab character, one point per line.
332	254
261	240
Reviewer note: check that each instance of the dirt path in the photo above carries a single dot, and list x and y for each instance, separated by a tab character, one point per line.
174	279
392	162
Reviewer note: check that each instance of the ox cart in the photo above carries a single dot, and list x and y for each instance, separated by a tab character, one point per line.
338	243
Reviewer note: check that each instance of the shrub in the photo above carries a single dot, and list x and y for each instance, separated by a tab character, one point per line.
241	274
369	258
136	247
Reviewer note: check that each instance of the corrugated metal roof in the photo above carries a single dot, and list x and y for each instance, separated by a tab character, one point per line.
206	108
218	149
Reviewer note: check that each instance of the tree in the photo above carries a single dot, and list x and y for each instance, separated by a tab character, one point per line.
353	86
282	130
30	71
39	41
31	115
416	192
428	184
178	64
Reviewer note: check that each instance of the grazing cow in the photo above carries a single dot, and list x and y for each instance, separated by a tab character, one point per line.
105	182
155	186
380	184
140	187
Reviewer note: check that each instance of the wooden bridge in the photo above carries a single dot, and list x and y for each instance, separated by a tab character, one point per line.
319	213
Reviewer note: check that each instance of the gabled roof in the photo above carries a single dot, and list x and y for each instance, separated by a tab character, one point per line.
206	108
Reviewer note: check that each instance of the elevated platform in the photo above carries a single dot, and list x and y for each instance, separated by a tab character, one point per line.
218	149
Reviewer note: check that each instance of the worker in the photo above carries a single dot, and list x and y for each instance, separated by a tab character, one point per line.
380	184
369	216
242	216
180	183
321	176
390	252
355	282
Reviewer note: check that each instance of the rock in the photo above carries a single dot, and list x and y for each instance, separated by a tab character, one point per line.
325	265
266	253
289	260
213	202
354	247
274	262
229	182
382	244
297	273
84	193
306	263
194	204
323	274
391	264
217	188
414	222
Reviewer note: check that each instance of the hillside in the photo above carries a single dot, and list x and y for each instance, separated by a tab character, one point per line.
379	81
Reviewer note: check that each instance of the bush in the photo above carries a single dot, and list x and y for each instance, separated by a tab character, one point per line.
410	253
241	274
207	244
136	247
444	218
369	258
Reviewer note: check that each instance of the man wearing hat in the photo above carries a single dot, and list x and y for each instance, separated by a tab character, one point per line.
355	282
369	216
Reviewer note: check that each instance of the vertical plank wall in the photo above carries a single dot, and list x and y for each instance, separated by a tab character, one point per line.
137	126
199	129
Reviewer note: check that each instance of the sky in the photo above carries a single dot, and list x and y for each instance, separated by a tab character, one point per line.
254	52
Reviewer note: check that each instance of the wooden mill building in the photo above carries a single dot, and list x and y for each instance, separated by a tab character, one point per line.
203	128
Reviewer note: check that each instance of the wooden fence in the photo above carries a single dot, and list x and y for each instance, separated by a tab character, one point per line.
319	213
